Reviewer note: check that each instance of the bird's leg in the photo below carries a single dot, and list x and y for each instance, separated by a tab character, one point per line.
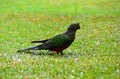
61	52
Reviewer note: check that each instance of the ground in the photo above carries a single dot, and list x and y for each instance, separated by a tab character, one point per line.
95	53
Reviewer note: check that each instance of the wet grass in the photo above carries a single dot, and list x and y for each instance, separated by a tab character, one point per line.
94	54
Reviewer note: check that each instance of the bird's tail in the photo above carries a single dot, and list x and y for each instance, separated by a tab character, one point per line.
31	48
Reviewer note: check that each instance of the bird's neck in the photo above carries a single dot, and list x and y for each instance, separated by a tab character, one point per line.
71	34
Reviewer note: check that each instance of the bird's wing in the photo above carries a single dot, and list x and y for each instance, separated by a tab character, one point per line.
41	41
56	42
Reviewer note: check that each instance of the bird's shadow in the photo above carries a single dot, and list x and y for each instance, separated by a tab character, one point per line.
68	55
41	53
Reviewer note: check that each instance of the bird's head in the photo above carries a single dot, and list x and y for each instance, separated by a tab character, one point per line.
74	27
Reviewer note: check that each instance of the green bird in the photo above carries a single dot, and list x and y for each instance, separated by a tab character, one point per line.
57	43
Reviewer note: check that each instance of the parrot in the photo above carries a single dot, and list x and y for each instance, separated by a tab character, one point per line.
57	43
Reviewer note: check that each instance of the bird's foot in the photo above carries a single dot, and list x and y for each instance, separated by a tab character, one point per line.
61	53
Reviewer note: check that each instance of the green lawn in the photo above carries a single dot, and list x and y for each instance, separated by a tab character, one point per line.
95	54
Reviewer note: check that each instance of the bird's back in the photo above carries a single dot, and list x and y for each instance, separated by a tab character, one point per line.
57	43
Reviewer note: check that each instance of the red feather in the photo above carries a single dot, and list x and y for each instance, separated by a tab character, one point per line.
60	49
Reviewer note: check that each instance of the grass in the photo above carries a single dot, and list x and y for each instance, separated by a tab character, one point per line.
95	54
